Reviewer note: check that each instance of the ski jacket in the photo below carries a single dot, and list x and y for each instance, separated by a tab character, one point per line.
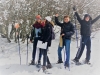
86	26
66	28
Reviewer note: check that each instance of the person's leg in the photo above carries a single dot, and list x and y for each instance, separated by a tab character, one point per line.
39	60
88	53
40	55
44	59
48	63
34	51
59	54
81	49
67	50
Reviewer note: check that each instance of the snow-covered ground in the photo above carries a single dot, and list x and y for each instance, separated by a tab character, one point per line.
10	63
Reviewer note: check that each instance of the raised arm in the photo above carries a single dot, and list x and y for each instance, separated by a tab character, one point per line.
78	17
94	20
76	14
57	21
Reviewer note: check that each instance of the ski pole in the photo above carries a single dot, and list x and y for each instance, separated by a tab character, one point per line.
27	50
19	48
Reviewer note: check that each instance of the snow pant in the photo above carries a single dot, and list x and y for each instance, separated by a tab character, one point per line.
85	40
67	51
34	48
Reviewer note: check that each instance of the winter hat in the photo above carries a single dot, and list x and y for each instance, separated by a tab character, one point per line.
86	15
48	18
38	17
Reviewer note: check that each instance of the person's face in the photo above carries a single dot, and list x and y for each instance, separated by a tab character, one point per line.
66	19
87	18
38	20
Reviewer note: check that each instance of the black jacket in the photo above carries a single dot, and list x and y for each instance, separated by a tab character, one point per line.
86	26
66	28
47	33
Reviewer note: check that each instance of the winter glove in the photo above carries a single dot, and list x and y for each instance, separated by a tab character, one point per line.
31	41
74	8
43	41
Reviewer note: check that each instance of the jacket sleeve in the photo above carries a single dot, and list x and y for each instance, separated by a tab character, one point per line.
32	34
94	20
57	22
78	17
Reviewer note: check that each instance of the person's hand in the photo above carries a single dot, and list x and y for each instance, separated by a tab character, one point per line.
56	15
43	41
74	8
31	41
62	34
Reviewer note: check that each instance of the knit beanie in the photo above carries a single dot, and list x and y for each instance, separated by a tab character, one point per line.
48	18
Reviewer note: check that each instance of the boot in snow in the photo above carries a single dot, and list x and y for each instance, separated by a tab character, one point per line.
49	66
76	61
32	62
59	61
44	68
87	62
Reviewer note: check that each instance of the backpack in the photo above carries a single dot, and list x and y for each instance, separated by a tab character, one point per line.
53	34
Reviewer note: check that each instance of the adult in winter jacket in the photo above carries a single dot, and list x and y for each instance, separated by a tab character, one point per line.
67	30
35	34
46	37
85	32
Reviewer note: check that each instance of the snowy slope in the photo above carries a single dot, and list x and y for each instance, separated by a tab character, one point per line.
10	65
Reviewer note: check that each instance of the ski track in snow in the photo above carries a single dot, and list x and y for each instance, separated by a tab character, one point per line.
10	65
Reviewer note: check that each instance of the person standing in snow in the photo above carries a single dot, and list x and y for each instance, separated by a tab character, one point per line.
36	35
46	36
85	32
67	30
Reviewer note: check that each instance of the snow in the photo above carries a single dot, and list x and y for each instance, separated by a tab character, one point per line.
10	63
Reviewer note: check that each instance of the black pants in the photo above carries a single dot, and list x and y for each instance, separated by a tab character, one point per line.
45	56
85	40
34	48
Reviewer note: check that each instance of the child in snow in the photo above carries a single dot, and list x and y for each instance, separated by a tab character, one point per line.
36	34
85	31
67	30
